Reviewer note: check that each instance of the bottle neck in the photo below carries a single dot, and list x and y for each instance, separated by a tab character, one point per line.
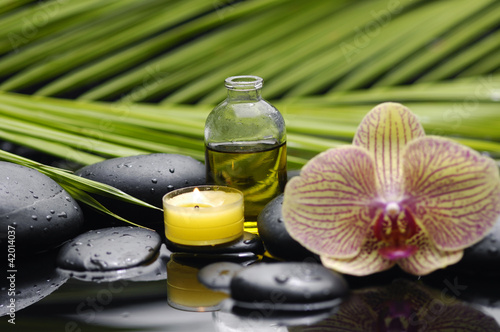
243	95
243	88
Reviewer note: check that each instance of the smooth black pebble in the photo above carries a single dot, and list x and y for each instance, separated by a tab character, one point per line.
287	286
42	213
274	235
148	177
218	275
248	243
109	249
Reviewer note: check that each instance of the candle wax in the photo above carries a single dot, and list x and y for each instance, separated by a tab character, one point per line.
204	218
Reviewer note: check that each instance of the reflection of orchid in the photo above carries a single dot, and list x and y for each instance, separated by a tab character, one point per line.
403	306
394	196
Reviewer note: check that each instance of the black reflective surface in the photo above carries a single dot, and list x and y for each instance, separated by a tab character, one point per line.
165	295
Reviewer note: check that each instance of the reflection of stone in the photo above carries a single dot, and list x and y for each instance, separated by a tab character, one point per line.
34	279
184	290
403	306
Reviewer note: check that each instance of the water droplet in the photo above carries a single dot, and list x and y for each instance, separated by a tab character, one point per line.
35	196
170	186
52	211
152	190
154	180
281	279
171	170
96	255
89	245
32	227
34	217
248	241
108	252
68	199
62	215
280	220
149	249
49	217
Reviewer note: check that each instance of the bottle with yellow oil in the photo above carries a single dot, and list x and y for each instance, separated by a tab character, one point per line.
245	144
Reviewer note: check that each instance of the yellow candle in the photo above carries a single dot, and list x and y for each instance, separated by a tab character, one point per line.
206	215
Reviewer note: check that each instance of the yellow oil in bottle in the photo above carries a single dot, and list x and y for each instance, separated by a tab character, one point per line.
258	169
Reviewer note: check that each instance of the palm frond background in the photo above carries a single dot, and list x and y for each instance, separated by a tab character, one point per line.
89	80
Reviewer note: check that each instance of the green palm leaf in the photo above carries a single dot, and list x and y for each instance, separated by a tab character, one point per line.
90	80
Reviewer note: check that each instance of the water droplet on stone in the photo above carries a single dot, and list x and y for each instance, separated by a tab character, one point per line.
171	170
34	217
48	217
280	220
32	227
152	190
154	180
68	199
62	215
52	211
170	186
35	196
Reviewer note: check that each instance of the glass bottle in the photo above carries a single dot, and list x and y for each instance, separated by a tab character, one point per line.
245	144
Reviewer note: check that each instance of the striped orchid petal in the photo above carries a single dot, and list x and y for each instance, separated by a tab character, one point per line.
428	257
368	261
328	207
453	191
384	132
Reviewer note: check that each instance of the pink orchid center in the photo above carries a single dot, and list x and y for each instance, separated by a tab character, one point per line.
395	226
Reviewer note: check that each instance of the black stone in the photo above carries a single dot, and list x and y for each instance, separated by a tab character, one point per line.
287	286
43	214
248	243
218	275
109	249
274	235
147	177
483	257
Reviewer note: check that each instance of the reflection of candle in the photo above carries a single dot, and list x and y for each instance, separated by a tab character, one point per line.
206	215
184	290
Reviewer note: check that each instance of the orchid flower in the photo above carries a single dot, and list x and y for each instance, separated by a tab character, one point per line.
395	196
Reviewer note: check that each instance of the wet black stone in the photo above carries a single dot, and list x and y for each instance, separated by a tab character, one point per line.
249	243
147	177
43	214
287	286
109	249
219	275
483	257
274	235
